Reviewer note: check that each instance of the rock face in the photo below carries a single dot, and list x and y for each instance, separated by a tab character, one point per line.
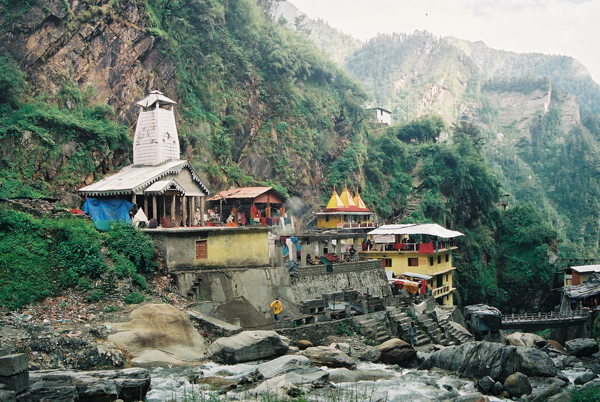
295	369
477	359
536	363
158	328
91	386
517	384
248	346
395	351
330	357
581	347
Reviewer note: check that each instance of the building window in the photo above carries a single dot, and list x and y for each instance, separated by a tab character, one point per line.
387	262
439	259
447	257
446	278
326	218
413	262
201	250
430	260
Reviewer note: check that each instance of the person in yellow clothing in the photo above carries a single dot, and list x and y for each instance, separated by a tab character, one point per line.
277	308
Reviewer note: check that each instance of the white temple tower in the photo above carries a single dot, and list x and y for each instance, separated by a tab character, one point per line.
156	140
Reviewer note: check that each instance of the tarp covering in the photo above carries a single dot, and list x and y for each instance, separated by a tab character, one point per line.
431	229
591	287
108	210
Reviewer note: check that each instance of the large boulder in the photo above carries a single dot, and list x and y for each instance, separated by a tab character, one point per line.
92	386
330	357
581	347
557	347
395	351
517	384
159	327
536	363
477	359
297	370
525	339
248	346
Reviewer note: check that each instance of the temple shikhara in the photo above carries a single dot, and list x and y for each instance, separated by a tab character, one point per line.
345	211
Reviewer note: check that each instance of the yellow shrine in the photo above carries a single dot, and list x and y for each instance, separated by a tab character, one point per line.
345	211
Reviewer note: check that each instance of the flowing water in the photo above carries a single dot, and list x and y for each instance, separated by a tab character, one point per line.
173	384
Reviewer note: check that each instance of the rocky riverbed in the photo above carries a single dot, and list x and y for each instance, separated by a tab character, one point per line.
67	334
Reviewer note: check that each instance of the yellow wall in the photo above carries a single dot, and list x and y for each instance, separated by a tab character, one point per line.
335	219
439	271
226	247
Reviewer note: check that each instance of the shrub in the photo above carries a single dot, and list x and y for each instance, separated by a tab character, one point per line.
133	244
95	296
134	298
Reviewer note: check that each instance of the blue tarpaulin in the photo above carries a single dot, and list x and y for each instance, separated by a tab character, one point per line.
108	210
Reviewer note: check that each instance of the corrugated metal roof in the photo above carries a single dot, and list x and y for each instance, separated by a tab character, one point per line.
244	192
431	229
153	98
134	178
591	287
585	268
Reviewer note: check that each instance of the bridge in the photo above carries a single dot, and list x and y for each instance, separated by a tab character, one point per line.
545	320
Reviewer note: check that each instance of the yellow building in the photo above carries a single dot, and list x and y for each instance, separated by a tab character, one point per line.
344	212
416	252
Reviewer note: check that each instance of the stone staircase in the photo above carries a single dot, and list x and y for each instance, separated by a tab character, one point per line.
452	334
194	292
399	318
374	327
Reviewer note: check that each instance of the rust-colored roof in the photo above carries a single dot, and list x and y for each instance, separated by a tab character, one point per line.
244	192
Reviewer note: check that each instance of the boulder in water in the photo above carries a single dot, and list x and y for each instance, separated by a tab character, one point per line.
581	347
525	339
247	346
536	363
477	359
395	351
517	384
330	357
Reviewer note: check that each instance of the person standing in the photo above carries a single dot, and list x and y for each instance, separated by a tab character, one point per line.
412	333
277	308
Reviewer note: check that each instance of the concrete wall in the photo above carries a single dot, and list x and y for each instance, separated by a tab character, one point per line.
311	281
226	247
261	285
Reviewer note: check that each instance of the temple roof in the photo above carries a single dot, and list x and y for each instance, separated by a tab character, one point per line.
345	203
155	96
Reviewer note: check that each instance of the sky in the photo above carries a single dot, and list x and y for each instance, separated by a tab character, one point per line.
562	27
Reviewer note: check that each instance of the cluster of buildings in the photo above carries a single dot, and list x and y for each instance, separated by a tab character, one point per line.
250	227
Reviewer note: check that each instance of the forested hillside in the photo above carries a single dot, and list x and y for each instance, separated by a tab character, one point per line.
259	104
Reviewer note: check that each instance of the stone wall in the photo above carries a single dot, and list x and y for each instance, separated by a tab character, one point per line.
316	333
312	281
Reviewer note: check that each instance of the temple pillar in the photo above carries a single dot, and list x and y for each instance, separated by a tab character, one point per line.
202	211
154	208
173	200
184	212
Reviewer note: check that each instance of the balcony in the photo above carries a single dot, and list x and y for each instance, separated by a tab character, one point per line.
355	225
441	291
423	248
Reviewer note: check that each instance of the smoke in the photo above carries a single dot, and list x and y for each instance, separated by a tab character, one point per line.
296	206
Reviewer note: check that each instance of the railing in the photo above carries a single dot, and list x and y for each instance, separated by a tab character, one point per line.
528	318
440	291
353	225
412	247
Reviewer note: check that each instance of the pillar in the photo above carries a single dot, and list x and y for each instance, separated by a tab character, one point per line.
202	211
303	252
173	200
184	212
133	199
146	207
234	213
154	208
163	201
330	246
193	209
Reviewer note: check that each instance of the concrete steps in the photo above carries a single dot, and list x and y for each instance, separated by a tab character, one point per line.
453	336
